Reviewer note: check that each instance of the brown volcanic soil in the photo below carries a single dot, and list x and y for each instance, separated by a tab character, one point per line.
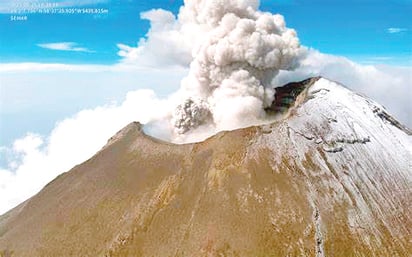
231	195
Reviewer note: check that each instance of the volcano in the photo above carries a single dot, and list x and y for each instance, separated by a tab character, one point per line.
332	177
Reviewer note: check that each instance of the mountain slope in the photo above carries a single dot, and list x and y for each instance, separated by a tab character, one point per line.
332	178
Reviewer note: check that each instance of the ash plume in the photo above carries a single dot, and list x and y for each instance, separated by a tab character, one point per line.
190	114
235	58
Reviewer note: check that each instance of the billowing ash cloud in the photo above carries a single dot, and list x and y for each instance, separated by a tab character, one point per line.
191	114
235	57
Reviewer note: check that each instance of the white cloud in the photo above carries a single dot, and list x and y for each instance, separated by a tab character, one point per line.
168	42
396	30
37	159
64	46
34	160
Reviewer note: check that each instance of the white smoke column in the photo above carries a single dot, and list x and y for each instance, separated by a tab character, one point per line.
235	57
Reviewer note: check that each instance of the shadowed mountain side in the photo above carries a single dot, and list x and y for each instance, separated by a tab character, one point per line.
323	181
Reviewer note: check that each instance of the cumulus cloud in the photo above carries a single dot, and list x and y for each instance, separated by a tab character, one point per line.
168	42
64	46
235	54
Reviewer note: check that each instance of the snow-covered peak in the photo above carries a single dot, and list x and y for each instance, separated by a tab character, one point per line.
334	116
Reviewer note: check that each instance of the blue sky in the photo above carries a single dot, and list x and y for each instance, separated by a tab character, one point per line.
360	29
364	30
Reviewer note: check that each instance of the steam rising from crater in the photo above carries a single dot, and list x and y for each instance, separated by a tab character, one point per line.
237	50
